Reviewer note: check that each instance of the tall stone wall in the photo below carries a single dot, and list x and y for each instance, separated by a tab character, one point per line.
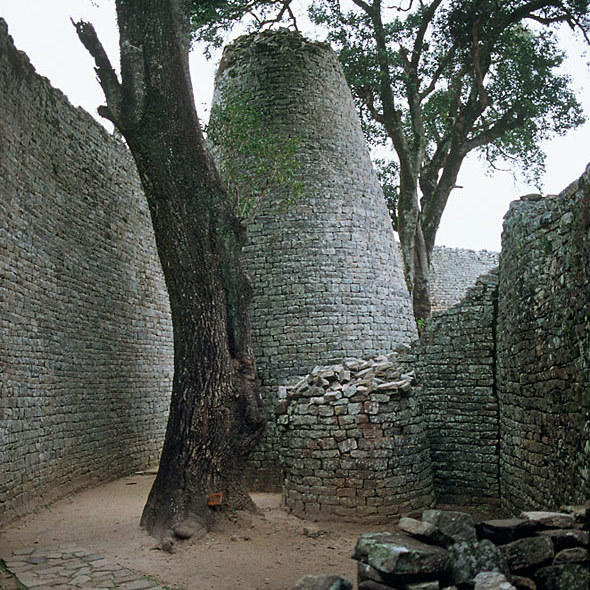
327	274
85	330
454	270
455	366
544	349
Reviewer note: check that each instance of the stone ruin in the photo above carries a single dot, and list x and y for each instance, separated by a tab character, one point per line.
353	442
499	410
326	272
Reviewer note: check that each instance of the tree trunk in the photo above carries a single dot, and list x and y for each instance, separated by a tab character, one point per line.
415	255
216	415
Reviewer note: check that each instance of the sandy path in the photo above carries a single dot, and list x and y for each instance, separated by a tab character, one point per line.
266	551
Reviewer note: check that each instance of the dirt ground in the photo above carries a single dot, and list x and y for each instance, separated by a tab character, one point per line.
270	550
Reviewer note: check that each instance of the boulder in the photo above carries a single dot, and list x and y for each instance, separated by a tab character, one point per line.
527	553
502	531
522	583
567	538
492	581
573	555
469	559
324	582
456	527
398	555
563	577
551	520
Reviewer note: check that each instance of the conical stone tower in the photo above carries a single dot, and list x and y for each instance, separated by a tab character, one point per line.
326	272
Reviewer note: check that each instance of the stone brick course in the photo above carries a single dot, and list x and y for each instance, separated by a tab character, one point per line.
326	272
455	367
454	270
353	442
544	349
86	339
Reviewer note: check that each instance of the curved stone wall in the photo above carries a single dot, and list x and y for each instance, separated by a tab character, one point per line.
454	270
353	442
85	333
544	350
327	274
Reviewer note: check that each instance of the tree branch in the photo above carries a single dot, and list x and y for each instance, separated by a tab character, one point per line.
105	72
511	119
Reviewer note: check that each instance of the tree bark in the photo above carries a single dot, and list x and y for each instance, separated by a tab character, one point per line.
216	415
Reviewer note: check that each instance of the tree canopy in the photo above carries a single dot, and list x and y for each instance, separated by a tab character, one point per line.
436	81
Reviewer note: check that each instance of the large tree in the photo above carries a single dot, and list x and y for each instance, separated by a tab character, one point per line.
216	416
442	78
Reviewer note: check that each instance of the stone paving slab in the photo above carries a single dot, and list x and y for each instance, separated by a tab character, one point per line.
73	568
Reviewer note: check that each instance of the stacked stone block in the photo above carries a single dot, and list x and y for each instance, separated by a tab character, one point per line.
455	365
326	272
85	332
544	349
453	271
352	442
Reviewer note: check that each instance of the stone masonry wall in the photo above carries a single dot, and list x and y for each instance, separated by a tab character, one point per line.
455	367
454	270
85	331
353	442
327	274
544	349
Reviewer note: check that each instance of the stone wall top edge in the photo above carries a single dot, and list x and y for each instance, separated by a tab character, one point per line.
441	248
542	202
22	61
282	37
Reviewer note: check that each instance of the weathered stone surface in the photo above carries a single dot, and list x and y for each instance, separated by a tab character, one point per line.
86	354
563	577
190	528
455	527
543	338
417	528
553	520
323	582
326	272
573	555
492	581
455	372
399	555
567	538
522	583
525	553
453	271
353	442
469	559
503	531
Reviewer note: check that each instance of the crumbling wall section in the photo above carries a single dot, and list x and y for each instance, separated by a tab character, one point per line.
544	349
85	332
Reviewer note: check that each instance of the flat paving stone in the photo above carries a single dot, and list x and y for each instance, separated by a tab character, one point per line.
73	569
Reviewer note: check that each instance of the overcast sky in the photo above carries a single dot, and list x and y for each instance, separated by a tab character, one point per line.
473	217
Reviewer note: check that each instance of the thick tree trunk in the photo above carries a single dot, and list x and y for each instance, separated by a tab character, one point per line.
216	416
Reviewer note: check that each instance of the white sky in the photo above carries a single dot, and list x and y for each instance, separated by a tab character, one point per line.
473	217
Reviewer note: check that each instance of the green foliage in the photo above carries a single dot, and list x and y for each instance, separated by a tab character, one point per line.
520	73
387	174
256	160
211	19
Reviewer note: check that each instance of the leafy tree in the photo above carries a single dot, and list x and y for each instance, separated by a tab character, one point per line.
216	416
444	78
